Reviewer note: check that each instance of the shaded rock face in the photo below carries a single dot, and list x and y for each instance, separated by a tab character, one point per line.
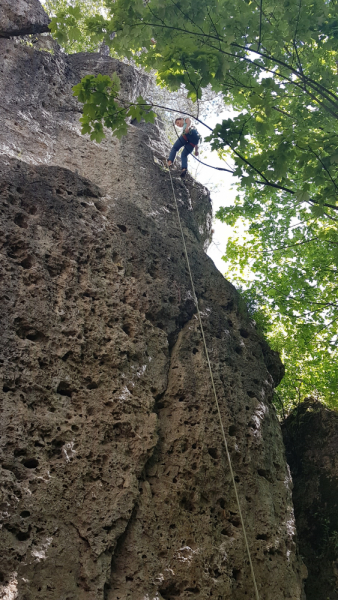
114	481
311	440
21	17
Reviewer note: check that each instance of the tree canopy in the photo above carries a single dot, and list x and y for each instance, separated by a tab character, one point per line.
276	63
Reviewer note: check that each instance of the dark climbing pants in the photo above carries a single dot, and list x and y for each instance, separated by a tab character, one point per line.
188	148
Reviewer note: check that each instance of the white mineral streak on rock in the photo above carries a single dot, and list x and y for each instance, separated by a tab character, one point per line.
185	554
68	451
40	553
205	313
125	393
10	591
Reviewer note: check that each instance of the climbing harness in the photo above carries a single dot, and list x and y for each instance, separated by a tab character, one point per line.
215	395
186	139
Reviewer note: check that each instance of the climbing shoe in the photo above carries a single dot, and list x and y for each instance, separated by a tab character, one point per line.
183	174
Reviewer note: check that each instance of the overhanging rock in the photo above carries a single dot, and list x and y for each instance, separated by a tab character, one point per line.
22	17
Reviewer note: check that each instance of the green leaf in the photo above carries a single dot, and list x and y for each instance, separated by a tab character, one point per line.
86	128
90	110
97	136
303	196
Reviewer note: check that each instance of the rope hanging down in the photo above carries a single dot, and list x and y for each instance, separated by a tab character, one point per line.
215	394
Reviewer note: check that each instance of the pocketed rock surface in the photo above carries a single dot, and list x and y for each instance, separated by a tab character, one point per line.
114	480
311	440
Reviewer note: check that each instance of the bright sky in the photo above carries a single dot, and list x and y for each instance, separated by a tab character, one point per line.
223	195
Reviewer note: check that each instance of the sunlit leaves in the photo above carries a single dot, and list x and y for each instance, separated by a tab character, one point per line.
78	25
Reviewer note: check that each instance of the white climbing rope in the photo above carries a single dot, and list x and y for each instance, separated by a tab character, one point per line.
215	395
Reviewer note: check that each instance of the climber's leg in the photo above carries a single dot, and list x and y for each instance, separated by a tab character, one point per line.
184	158
178	144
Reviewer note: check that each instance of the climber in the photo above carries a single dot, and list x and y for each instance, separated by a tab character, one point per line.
189	139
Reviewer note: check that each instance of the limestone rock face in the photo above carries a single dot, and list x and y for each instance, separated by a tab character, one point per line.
21	17
114	480
311	439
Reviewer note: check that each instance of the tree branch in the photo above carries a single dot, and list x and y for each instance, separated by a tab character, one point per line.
324	167
289	246
260	25
271	58
324	203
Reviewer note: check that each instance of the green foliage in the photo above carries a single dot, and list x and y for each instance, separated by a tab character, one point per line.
310	366
276	64
101	107
70	23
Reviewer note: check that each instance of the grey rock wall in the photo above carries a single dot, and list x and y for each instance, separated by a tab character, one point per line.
22	17
114	481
